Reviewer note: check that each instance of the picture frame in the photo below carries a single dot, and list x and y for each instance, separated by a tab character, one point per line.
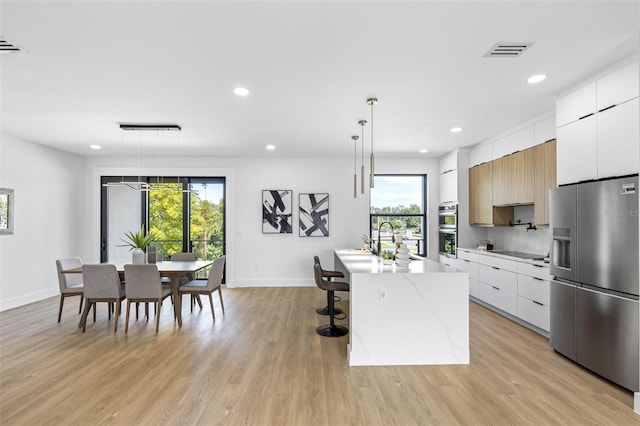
7	218
313	214
277	211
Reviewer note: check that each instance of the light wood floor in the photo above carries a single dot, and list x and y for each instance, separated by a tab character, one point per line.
263	364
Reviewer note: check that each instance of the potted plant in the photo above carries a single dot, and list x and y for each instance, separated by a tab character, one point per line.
367	240
138	243
387	257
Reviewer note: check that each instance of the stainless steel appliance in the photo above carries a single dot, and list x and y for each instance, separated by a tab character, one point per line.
594	261
448	229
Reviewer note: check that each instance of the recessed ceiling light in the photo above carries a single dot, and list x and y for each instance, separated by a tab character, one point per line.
455	129
241	91
95	147
536	79
423	151
270	147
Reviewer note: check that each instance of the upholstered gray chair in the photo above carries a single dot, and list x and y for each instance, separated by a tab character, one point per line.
197	287
102	284
142	284
187	257
70	283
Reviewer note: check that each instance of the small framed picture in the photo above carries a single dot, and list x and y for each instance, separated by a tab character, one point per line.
276	211
314	214
6	211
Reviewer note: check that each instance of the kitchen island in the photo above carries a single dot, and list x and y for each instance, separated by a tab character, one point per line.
417	315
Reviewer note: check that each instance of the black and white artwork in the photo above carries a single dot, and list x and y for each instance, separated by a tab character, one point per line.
276	212
314	215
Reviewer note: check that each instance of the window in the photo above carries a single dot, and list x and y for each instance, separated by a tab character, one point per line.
399	200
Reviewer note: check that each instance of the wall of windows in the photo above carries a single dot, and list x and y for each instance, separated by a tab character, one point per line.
398	207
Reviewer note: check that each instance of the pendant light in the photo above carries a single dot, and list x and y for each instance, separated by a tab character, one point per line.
355	160
372	102
362	123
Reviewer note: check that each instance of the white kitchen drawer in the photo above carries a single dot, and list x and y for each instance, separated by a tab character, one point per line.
509	265
500	298
473	287
533	289
503	280
468	266
533	313
467	255
449	261
534	270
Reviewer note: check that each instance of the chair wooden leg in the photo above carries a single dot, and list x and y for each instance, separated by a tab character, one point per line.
116	317
61	305
81	300
126	321
221	302
213	313
197	297
159	304
85	314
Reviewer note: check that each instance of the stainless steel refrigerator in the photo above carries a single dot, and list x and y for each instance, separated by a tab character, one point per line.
594	261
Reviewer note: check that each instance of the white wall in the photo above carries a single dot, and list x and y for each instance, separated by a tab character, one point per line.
257	259
47	211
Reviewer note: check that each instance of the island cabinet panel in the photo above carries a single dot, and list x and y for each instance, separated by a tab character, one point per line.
481	194
545	179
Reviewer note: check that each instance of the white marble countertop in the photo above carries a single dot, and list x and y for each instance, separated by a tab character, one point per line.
497	253
358	261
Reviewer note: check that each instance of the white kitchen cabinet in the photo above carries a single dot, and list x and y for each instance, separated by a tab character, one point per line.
481	154
577	151
517	141
498	287
617	87
618	136
468	262
448	187
534	294
544	130
448	162
575	105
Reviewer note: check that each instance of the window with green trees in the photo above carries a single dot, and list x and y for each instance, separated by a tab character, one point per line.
399	200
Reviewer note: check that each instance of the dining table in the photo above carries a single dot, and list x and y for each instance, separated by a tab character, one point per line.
170	269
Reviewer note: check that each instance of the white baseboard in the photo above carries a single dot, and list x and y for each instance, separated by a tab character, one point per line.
636	402
27	298
275	283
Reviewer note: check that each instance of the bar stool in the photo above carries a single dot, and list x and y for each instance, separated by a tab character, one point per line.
328	275
331	329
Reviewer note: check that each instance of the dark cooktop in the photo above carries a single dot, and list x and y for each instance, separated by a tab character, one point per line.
520	254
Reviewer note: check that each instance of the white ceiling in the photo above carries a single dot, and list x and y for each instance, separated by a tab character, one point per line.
310	67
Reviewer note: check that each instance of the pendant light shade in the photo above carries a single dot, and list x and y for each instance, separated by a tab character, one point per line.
362	123
355	160
372	102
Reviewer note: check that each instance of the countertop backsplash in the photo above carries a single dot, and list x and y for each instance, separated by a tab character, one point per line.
517	238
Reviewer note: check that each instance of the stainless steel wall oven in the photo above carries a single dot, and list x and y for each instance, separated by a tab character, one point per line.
448	229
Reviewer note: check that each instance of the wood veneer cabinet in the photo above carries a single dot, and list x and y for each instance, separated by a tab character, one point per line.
523	170
545	179
481	194
502	181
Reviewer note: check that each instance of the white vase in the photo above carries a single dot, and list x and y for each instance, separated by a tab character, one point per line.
137	256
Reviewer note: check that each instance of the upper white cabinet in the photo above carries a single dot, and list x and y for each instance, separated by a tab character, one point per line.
618	136
448	187
451	166
481	154
576	105
448	162
597	134
617	87
544	130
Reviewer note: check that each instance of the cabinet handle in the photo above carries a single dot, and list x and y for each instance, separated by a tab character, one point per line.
537	303
467	260
609	107
497	288
536	278
585	116
537	266
497	269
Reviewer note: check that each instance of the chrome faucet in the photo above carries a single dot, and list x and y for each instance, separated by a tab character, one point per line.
393	235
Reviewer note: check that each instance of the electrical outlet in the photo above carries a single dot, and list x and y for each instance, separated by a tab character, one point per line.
383	294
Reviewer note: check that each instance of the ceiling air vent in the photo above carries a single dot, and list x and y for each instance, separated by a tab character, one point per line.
6	47
507	50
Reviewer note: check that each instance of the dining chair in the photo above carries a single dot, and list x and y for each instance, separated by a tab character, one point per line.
197	287
142	284
187	257
102	284
70	283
